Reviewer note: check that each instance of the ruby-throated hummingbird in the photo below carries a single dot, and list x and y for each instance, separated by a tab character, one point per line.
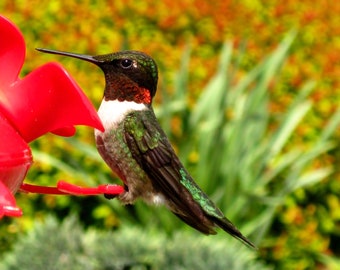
136	148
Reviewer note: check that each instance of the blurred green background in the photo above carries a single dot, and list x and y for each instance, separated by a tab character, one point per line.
249	95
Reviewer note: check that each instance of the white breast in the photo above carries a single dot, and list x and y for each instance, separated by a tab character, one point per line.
113	112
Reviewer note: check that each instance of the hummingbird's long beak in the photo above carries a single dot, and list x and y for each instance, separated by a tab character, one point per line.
85	57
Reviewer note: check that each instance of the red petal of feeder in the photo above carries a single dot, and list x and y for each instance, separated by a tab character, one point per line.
7	203
12	52
48	99
15	160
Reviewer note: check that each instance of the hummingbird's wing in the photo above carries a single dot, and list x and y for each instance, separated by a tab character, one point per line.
151	149
153	152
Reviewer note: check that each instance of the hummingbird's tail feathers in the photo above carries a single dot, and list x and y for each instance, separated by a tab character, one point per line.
192	221
227	226
206	225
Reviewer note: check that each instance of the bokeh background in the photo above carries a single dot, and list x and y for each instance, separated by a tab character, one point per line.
189	39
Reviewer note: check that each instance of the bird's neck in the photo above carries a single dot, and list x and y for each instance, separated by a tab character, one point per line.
121	88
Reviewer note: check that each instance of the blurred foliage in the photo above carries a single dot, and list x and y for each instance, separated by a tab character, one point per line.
304	226
128	248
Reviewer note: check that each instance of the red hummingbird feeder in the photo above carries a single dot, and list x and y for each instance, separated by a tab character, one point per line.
46	100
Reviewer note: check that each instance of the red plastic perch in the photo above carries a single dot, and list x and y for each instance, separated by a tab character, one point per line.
65	188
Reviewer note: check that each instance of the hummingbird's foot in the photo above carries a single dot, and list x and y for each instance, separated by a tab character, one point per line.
110	196
129	195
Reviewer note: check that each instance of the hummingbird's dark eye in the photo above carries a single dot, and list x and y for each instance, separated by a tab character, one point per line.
126	63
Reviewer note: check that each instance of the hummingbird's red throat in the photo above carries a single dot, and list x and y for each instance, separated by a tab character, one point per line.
125	90
143	96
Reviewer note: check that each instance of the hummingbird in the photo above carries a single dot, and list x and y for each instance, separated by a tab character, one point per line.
136	148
